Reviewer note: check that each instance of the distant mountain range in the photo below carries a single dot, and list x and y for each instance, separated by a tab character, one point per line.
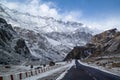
45	37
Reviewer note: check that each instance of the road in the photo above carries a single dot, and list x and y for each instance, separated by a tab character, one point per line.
82	72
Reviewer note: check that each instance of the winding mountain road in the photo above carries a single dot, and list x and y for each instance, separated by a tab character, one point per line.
82	72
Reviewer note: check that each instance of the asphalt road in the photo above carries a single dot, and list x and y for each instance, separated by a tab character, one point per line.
81	72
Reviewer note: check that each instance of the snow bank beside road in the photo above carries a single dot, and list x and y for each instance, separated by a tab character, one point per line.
97	67
63	74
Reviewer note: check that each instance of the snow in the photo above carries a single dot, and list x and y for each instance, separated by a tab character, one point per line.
53	42
64	73
46	24
62	63
48	72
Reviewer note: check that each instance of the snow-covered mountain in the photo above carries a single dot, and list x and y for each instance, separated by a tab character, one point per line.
47	37
13	49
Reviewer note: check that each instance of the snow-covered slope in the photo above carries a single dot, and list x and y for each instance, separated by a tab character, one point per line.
13	49
47	37
38	23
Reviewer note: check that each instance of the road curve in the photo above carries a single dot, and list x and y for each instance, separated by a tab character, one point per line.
81	72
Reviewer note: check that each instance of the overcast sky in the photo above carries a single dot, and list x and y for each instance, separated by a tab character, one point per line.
101	14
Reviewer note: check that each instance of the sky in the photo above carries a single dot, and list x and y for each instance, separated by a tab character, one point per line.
97	14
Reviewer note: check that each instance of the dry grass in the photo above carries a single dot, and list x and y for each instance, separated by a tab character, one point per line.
116	64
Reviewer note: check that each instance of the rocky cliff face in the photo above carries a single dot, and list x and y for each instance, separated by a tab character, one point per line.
13	49
107	53
81	52
42	47
108	42
53	45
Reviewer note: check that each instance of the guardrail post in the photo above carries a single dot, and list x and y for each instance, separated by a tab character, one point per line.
39	71
11	76
1	78
26	74
31	73
20	76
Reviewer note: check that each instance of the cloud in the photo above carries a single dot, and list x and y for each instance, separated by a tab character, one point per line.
104	24
40	8
49	9
34	7
72	16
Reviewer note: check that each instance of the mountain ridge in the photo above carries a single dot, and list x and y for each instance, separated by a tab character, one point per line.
47	38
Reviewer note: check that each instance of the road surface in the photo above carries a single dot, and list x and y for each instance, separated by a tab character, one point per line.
81	72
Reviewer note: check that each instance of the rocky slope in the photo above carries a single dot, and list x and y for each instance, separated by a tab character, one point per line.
46	37
104	44
13	49
107	54
81	52
107	42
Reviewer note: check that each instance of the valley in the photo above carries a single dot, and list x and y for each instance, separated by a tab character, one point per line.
34	47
